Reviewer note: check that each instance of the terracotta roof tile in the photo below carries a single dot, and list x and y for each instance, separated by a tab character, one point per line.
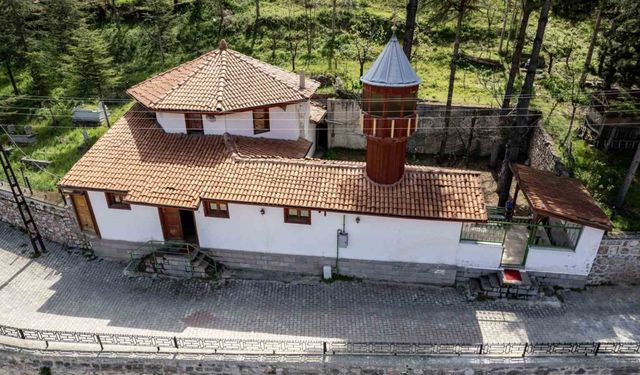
250	147
222	80
562	197
157	168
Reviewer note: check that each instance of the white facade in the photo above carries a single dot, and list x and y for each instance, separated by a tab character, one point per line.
373	238
578	262
288	122
377	238
139	224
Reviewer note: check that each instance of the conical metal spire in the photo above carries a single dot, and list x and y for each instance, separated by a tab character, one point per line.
391	68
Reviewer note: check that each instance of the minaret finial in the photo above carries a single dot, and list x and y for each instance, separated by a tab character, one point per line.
394	20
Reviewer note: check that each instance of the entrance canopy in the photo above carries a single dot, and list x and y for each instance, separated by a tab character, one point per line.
562	197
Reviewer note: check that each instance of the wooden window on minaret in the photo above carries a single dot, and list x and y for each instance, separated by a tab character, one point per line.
260	120
193	122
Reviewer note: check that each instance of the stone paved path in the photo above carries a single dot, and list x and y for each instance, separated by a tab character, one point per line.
63	291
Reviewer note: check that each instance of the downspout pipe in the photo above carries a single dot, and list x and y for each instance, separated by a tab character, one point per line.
338	232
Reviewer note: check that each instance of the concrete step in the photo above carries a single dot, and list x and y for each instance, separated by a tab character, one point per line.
485	285
494	281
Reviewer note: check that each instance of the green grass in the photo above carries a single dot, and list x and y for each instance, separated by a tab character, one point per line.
60	145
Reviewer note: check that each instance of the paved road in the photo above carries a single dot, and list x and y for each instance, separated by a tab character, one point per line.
63	291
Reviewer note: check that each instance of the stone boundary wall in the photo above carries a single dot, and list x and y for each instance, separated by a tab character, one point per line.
543	154
343	121
617	261
17	361
55	222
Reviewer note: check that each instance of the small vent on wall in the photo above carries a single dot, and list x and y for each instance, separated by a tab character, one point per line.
211	118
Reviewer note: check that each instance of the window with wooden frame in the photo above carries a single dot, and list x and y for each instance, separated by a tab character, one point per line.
116	200
216	209
193	122
261	120
297	215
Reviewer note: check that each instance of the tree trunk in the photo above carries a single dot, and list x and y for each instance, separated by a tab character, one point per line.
517	54
410	27
514	17
551	56
631	172
504	24
257	10
452	79
592	44
522	108
7	65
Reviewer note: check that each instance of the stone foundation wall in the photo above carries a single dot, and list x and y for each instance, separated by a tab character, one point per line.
18	362
437	274
343	120
55	222
617	261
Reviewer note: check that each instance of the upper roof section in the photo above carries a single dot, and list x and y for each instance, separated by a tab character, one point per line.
222	80
163	169
559	196
391	68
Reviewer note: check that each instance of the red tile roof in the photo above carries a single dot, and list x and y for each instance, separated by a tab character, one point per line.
222	80
157	168
559	196
252	147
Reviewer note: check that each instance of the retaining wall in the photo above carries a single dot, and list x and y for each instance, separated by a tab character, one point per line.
343	121
55	222
617	261
19	362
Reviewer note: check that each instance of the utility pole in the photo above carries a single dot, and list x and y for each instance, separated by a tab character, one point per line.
23	208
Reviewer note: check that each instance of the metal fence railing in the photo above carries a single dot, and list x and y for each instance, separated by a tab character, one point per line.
322	348
492	232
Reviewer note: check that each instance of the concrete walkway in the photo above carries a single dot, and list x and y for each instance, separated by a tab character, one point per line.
62	291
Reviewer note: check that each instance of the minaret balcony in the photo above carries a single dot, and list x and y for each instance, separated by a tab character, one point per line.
388	126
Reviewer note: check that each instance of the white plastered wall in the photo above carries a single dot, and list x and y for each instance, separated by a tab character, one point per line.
578	262
140	224
283	124
171	122
374	238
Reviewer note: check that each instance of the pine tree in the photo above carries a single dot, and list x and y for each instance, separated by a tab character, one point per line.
59	20
160	17
88	65
13	20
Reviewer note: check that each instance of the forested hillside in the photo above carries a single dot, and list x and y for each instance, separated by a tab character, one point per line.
58	54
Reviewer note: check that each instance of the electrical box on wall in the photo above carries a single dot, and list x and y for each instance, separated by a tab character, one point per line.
343	239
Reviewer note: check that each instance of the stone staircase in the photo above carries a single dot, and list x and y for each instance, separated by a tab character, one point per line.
195	264
513	284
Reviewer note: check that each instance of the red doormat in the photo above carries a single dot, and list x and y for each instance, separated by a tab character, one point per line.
512	275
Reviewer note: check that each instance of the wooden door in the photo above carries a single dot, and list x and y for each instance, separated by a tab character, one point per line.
83	213
171	224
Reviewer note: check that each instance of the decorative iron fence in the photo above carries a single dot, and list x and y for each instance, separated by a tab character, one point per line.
322	348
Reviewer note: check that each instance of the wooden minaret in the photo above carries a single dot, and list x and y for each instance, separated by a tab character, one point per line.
389	93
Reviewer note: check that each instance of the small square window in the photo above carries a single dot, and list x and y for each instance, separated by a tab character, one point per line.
261	121
297	215
116	201
216	209
193	122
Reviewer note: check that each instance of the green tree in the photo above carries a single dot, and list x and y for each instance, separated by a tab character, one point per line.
460	9
13	35
522	109
622	48
160	17
59	20
88	65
